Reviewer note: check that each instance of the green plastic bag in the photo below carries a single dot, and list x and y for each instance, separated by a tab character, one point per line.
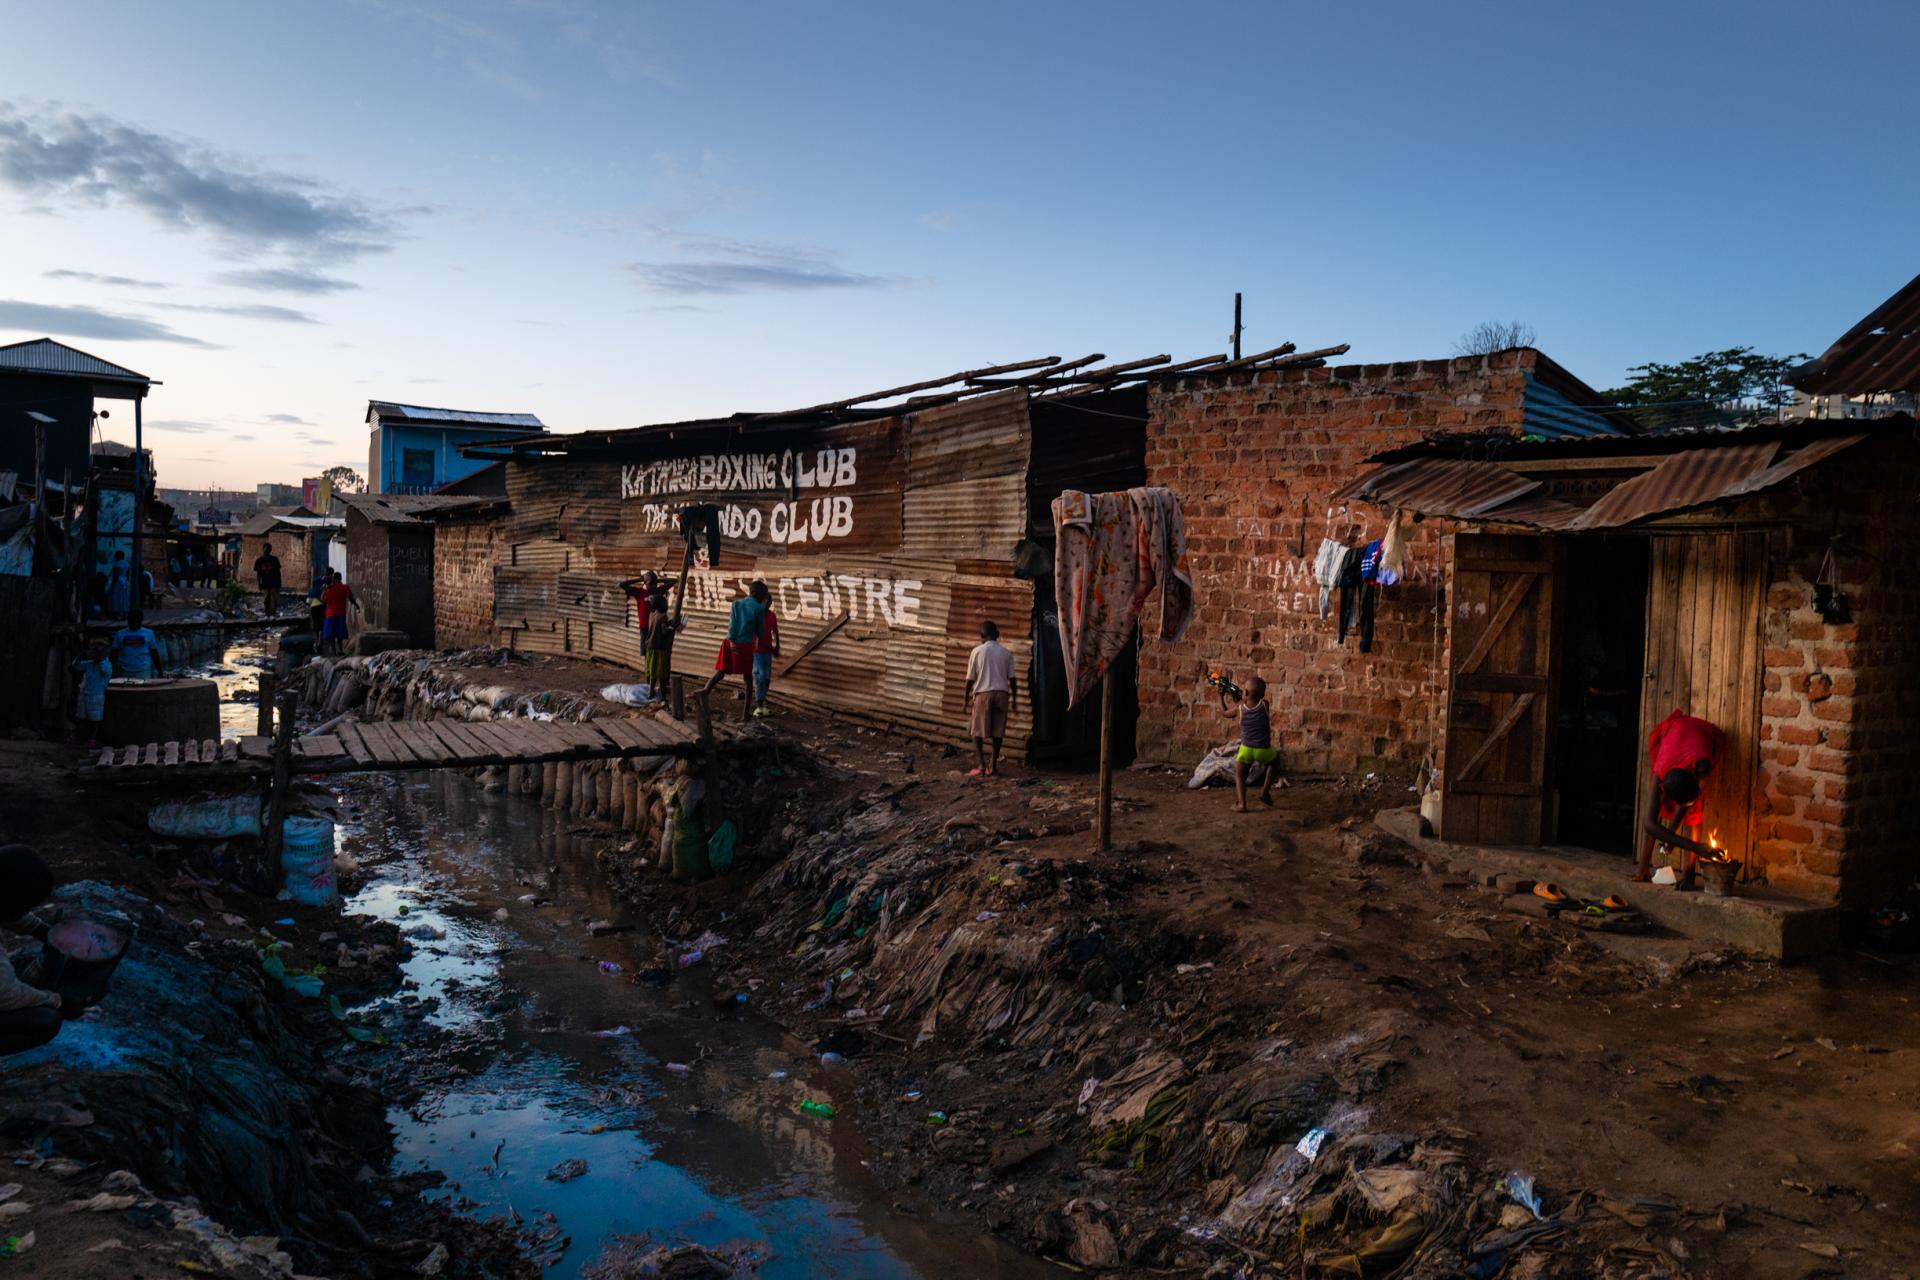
720	847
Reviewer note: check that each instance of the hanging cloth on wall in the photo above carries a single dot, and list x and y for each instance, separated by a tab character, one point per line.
1349	592
1393	552
1111	551
702	518
1326	569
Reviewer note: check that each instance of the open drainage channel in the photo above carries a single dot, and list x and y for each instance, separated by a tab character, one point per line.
546	1056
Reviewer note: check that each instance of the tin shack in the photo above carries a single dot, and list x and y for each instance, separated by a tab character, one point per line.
390	558
888	527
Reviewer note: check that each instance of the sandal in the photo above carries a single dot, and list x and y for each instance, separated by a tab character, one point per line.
1551	892
1614	902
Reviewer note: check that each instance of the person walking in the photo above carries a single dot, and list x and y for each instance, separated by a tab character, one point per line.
743	636
266	571
989	698
335	601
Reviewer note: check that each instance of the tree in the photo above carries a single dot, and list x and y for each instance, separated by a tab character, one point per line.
1720	388
345	479
1490	336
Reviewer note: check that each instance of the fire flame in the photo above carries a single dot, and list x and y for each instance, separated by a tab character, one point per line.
1713	843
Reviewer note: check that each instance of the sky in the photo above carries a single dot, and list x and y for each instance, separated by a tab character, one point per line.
611	213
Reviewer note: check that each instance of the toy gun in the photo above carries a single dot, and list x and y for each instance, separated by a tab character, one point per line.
1225	685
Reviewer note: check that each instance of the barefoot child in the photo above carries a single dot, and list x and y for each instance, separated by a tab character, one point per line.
90	700
1256	742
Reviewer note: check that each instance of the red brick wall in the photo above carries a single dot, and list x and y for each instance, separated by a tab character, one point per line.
1249	454
464	556
1838	747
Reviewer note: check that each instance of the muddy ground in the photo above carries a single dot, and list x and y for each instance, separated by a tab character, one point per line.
1109	1057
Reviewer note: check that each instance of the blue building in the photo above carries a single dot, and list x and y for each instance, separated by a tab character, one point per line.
416	450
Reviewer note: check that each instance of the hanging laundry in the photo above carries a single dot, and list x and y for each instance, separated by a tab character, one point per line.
1370	562
1393	551
1369	593
1111	551
1349	584
701	518
1326	569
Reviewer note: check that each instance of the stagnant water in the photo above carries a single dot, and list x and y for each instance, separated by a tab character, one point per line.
674	1106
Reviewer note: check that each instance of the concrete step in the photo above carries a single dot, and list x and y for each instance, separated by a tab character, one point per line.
1756	919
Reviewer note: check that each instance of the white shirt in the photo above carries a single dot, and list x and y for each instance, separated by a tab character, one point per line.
990	668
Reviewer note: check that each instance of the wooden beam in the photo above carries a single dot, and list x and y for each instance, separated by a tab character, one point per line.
819	638
1502	614
963	376
1037	379
1496	737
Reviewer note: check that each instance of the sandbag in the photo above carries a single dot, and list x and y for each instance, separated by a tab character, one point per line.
217	818
306	856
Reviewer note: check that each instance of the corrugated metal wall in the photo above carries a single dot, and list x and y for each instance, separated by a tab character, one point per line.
904	525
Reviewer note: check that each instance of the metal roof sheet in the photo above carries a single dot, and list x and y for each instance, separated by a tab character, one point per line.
1548	412
1443	486
461	417
1881	353
1683	480
45	356
393	508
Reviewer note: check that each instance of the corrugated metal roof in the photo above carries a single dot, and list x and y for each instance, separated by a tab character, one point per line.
460	417
1681	481
1881	353
1442	486
1550	413
393	508
1458	487
45	356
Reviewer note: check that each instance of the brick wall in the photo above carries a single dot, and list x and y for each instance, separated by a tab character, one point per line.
1838	749
1253	457
464	555
295	568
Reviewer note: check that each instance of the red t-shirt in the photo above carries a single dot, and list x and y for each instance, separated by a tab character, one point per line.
642	608
769	633
1682	741
334	599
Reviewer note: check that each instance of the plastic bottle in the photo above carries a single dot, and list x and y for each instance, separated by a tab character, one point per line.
821	1109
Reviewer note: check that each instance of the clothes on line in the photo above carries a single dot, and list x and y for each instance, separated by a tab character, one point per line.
1111	551
702	517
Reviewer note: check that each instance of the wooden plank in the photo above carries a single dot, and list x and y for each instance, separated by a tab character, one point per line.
631	735
1514	593
209	752
191	755
319	747
106	759
453	745
152	756
418	740
255	747
170	754
1500	731
382	746
819	638
466	744
504	739
355	742
1510	564
230	752
131	758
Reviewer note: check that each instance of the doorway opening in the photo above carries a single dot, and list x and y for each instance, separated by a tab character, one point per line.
1596	741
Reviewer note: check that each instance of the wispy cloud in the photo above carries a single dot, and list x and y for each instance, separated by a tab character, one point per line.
290	419
285	280
239	437
94	277
491	42
245	311
87	322
178	424
735	266
324	444
93	160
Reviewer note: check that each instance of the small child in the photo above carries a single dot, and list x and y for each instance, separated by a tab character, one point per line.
90	699
1256	742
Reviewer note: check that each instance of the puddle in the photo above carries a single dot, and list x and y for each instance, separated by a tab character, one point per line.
716	1153
239	668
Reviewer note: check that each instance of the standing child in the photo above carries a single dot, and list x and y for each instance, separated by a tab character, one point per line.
136	650
334	602
988	698
90	699
765	650
743	635
1256	742
657	640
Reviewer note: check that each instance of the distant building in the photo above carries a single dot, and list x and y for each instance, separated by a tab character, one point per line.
278	495
415	450
1873	404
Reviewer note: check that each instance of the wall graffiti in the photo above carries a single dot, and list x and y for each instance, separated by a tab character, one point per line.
787	524
819	597
792	470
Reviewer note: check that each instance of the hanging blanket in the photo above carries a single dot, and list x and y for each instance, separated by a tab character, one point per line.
1111	551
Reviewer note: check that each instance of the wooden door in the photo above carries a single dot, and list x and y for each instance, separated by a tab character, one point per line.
1500	706
1703	657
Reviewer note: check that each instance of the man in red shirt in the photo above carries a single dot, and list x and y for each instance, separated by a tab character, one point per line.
1682	749
334	601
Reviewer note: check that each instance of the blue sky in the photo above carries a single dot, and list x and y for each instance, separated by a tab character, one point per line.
610	214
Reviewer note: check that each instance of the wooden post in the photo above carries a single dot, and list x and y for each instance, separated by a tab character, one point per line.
267	682
282	780
1105	818
1236	326
711	760
679	697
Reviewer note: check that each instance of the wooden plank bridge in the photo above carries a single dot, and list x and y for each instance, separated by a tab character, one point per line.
355	747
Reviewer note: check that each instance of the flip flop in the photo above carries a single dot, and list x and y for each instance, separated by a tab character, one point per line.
1551	892
1614	902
